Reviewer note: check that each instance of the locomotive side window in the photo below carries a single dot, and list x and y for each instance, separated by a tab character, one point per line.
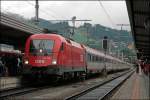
41	47
62	47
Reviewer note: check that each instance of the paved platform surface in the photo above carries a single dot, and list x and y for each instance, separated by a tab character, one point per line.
8	82
137	87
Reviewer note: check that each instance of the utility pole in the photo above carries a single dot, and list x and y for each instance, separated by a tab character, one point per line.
36	11
120	37
87	35
73	20
122	25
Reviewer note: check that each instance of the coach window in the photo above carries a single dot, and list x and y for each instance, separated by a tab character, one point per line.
100	59
104	59
97	58
107	60
90	57
93	58
87	57
113	61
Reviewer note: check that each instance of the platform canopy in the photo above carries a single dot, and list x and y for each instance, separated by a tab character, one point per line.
139	16
15	32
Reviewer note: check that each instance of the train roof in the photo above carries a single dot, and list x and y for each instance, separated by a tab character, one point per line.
100	53
93	51
46	36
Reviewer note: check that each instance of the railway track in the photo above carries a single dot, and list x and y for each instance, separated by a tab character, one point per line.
21	90
25	90
101	91
15	91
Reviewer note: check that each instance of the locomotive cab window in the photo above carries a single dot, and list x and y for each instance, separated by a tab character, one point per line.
41	47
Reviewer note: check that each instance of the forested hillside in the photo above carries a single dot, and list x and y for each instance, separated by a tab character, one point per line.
88	34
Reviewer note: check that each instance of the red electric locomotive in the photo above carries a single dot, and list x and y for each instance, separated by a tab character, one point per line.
53	55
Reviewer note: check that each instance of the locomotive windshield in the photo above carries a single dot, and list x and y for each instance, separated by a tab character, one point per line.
41	47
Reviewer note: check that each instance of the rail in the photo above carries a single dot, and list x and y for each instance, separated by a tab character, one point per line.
102	90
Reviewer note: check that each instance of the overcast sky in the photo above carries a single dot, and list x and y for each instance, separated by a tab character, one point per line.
92	10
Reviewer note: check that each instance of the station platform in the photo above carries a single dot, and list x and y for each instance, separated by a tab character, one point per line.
9	82
137	87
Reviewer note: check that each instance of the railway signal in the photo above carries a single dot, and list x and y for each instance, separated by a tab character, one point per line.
123	25
105	47
105	43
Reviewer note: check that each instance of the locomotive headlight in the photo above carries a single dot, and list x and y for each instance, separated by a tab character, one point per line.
26	62
41	50
54	62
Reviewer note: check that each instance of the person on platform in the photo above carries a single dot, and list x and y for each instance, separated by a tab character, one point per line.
137	68
18	65
2	68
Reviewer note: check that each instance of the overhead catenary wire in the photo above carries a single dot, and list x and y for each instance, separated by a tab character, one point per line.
108	16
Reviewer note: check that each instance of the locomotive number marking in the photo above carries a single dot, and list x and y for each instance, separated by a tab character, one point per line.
39	61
